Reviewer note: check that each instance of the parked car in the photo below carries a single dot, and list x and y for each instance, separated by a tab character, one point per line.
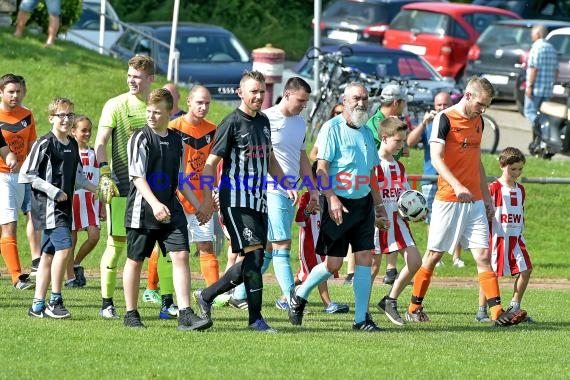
209	55
351	21
532	9
560	39
85	31
442	32
501	51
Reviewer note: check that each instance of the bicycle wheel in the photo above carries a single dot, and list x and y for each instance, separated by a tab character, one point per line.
491	135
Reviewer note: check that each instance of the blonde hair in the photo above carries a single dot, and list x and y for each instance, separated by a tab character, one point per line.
392	125
58	103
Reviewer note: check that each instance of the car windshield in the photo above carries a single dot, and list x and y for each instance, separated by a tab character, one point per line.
505	35
89	19
356	11
481	20
202	47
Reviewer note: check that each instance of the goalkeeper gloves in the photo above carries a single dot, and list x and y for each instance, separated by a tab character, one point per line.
107	188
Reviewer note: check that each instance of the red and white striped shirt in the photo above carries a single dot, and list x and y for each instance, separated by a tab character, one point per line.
508	249
309	227
85	206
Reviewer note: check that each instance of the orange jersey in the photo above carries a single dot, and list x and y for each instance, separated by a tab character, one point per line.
462	152
198	141
19	131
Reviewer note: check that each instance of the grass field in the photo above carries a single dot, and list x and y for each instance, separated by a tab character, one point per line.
451	346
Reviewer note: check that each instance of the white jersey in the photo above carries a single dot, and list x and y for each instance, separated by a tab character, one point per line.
288	139
508	249
85	206
392	181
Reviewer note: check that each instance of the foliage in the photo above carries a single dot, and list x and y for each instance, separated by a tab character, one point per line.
70	13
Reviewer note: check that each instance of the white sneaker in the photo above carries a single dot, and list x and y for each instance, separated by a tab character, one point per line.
109	312
458	263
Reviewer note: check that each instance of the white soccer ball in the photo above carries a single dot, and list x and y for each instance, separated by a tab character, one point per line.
412	205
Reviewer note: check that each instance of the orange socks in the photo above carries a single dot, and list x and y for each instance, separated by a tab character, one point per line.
210	268
9	248
490	285
152	275
422	280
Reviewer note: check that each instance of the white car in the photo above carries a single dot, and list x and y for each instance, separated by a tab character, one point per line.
85	32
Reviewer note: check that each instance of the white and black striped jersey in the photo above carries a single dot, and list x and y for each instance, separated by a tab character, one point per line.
159	160
51	167
244	142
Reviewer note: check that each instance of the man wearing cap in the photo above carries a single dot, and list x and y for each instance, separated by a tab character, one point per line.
392	103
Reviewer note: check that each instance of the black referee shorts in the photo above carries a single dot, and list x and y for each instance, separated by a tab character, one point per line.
141	241
245	226
356	229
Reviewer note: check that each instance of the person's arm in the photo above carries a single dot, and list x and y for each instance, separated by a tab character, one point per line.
415	135
314	152
380	215
306	172
487	200
532	73
204	212
275	170
101	141
160	211
185	189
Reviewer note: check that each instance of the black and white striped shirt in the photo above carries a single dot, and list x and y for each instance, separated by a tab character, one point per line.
158	160
244	143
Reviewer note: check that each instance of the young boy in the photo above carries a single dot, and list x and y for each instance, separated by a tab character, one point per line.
392	181
86	208
508	248
53	167
154	214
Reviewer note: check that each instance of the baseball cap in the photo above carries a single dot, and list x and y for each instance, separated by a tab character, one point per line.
394	92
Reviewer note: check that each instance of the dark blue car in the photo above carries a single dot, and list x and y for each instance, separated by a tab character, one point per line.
209	55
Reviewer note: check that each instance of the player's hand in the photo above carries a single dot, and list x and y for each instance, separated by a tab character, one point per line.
314	205
204	212
336	208
463	194
61	196
102	213
161	212
382	223
107	189
216	200
12	162
294	196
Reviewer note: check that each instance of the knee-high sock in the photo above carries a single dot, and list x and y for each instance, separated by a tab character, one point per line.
152	271
229	280
282	267
317	275
209	267
165	278
9	247
266	261
253	282
422	280
362	285
109	266
490	285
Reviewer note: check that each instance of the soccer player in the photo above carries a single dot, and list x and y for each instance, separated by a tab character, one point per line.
392	181
154	214
508	248
462	203
243	141
19	132
346	149
53	167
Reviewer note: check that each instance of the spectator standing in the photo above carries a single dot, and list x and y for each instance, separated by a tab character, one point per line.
28	6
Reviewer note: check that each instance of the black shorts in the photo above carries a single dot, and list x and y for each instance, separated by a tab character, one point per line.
141	241
245	226
357	228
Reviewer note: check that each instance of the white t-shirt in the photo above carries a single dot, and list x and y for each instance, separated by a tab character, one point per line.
288	139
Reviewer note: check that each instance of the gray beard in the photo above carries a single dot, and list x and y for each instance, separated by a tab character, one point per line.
358	117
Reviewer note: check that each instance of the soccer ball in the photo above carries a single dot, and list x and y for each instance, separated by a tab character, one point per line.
412	205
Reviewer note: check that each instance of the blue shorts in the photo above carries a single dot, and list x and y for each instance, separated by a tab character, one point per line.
27	203
429	190
53	6
281	213
56	239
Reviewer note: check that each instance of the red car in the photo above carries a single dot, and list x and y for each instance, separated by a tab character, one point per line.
442	32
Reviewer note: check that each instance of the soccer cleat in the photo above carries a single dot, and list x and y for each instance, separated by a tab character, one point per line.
170	312
37	314
348	279
238	303
282	304
133	320
390	308
152	296
56	309
34	267
509	318
336	308
296	307
527	319
205	307
390	278
367	325
79	272
417	316
261	326
72	283
221	300
188	321
482	317
458	263
24	282
108	313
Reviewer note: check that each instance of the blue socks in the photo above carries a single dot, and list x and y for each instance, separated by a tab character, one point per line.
38	305
317	275
362	286
54	297
282	268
